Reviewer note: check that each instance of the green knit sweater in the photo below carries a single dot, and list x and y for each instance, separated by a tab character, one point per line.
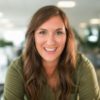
85	78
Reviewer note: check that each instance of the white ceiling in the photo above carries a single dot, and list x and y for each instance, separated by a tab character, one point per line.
20	11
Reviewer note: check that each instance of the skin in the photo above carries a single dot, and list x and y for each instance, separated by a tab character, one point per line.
50	40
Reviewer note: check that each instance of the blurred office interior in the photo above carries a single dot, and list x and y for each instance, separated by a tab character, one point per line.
84	16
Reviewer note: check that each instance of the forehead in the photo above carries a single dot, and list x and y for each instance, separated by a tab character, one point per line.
55	21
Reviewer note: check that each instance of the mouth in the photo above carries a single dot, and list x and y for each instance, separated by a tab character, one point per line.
50	49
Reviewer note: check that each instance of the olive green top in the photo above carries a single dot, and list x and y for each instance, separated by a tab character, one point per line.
85	78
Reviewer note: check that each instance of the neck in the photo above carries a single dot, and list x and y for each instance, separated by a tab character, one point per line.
50	69
51	74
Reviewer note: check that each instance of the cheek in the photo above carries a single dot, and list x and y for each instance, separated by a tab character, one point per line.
38	42
62	44
62	41
39	38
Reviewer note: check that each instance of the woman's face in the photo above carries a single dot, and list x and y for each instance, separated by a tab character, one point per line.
50	39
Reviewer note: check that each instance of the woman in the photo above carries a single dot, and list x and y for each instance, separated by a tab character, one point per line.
50	68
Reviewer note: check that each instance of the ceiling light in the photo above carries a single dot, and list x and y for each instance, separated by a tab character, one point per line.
95	21
66	4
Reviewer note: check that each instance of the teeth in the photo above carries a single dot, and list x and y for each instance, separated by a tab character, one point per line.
50	49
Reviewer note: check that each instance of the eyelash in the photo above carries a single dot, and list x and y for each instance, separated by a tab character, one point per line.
42	32
59	32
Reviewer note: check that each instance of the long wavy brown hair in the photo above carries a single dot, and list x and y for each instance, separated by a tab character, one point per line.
32	61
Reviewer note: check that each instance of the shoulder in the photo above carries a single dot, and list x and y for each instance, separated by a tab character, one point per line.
81	57
17	63
83	62
16	67
84	67
14	82
86	78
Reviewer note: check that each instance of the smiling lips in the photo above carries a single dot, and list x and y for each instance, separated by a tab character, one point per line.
50	49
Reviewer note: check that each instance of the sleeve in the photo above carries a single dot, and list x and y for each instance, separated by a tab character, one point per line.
88	85
13	86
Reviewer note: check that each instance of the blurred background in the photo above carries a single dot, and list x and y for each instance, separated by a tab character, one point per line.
84	17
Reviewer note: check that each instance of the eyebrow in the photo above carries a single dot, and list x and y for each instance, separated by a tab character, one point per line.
47	29
59	29
42	29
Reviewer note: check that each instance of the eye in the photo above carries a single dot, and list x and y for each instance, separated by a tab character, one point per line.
42	32
59	32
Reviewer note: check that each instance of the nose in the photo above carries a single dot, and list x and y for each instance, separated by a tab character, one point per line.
51	39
